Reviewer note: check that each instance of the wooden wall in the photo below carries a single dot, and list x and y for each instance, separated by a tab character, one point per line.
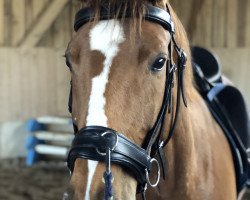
16	18
210	23
19	17
222	26
33	82
216	23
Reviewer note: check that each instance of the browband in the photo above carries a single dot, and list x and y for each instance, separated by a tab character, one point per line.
153	14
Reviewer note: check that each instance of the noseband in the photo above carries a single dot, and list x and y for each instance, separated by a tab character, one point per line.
109	146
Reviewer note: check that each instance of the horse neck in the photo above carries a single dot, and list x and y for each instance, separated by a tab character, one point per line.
182	142
181	155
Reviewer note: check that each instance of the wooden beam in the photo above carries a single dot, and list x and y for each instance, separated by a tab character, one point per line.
19	21
42	23
8	21
1	22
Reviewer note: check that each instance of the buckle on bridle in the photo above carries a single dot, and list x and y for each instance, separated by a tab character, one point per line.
110	148
153	160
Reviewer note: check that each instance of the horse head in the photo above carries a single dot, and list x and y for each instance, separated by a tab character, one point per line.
123	75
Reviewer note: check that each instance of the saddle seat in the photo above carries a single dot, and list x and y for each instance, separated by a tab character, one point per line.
227	106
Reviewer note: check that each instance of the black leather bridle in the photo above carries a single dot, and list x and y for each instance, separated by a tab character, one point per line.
107	145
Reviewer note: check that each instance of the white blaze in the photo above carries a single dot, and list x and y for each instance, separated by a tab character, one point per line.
105	37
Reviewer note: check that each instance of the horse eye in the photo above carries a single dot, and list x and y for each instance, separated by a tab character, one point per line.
158	64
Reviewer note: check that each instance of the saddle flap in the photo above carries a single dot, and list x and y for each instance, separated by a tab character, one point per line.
227	105
232	103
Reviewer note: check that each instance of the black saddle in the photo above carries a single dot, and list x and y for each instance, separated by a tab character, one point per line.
227	106
230	97
208	63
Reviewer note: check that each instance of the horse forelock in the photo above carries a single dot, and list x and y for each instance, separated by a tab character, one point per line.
136	7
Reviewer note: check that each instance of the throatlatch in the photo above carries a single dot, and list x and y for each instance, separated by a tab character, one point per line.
106	145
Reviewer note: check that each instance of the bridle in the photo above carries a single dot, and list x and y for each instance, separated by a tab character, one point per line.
107	145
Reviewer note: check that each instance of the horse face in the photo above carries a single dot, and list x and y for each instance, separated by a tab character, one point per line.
118	84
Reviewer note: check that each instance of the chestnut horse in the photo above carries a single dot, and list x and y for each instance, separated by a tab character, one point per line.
118	70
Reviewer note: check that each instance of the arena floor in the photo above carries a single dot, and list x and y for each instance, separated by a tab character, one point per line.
44	181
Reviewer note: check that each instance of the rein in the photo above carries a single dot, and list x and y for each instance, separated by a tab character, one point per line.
107	145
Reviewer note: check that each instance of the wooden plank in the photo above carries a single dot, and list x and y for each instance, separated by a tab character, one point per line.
203	23
206	21
42	23
44	88
61	29
1	22
4	86
31	81
248	25
19	20
48	38
242	14
215	25
195	20
26	100
49	77
14	89
38	6
221	26
7	21
183	10
232	23
29	17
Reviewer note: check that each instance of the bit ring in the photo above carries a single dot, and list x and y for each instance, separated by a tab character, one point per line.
153	160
